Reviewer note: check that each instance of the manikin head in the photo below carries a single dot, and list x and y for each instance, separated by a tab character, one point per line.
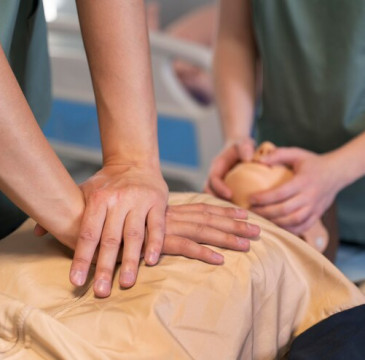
248	178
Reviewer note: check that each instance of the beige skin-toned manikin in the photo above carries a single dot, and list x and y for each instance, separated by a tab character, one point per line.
248	178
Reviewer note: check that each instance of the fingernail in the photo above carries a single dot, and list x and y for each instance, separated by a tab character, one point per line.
241	213
127	277
218	257
253	228
78	277
152	257
242	241
102	286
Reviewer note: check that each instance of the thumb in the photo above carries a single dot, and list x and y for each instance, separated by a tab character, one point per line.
39	230
246	150
283	156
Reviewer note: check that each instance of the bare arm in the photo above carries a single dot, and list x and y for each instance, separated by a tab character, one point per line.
235	69
129	191
318	179
350	157
198	26
31	175
116	43
235	90
34	178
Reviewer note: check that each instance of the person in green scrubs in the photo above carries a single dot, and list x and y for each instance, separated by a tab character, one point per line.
129	191
124	202
311	56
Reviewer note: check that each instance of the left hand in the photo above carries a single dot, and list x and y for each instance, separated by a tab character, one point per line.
297	204
121	200
191	226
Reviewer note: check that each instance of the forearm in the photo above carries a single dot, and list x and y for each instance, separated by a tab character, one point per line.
348	161
235	69
197	26
116	42
31	174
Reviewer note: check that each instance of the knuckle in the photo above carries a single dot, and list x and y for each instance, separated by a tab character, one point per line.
184	243
169	211
104	272
157	226
297	218
240	226
118	197
97	195
285	208
133	233
183	246
201	207
204	252
200	228
80	261
228	239
282	193
110	242
130	263
207	216
88	236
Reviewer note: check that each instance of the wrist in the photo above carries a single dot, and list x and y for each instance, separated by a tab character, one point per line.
65	227
229	141
344	168
150	161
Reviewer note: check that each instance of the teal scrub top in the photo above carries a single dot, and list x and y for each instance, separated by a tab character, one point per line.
24	40
313	55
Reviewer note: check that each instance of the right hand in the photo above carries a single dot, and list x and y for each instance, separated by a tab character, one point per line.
190	225
231	154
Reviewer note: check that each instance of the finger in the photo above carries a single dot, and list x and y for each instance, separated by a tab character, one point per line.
155	234
283	155
207	189
300	229
204	234
220	167
176	245
133	238
296	219
228	158
220	188
222	223
246	149
108	252
39	230
232	212
279	209
277	195
90	231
